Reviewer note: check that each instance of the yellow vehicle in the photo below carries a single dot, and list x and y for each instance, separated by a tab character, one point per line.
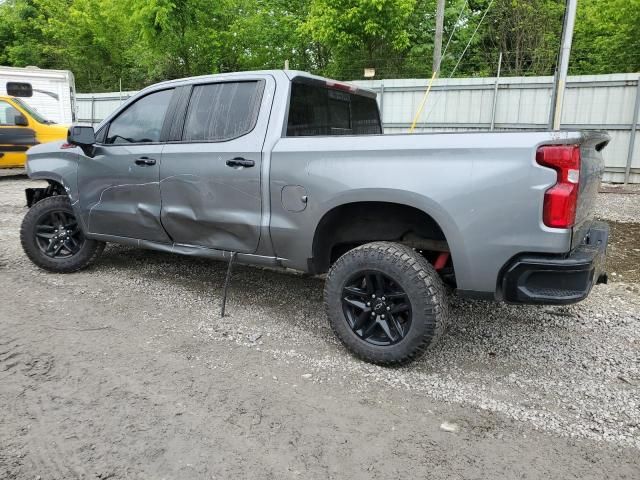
21	127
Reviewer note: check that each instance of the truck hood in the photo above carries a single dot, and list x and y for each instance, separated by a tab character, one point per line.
44	148
53	132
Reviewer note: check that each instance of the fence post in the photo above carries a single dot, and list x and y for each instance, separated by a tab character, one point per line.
92	109
632	139
382	104
495	94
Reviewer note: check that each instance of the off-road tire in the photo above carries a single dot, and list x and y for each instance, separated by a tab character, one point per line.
87	254
419	280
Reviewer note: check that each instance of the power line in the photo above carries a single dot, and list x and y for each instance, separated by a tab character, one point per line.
424	101
435	70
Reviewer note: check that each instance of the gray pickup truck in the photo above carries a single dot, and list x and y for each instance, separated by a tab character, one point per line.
283	168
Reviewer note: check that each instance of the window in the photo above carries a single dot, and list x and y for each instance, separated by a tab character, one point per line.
320	110
142	121
8	114
101	134
222	111
37	116
19	89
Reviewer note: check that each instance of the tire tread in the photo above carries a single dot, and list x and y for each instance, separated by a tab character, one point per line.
90	251
417	270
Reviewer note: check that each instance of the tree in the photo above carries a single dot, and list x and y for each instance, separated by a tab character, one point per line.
139	42
265	33
607	37
182	35
23	40
96	40
527	32
361	33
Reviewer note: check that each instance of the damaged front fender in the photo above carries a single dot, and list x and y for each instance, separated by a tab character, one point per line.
57	165
34	195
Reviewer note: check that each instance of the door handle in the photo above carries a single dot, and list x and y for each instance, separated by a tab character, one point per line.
240	162
145	161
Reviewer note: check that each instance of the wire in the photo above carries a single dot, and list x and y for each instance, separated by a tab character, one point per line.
471	39
416	117
461	56
435	73
455	25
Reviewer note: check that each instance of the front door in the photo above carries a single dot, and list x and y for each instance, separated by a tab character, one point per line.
210	175
119	185
15	139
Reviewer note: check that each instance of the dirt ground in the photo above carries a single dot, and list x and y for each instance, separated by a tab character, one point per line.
126	371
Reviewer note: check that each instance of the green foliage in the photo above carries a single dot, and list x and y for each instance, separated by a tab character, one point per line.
262	34
183	36
607	37
360	33
142	41
526	32
22	40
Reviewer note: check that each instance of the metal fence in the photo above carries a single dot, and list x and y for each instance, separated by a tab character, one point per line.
596	102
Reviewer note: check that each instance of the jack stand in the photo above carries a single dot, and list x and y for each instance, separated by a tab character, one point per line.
226	283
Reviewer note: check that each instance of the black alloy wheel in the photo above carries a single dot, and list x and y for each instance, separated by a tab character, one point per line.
53	239
377	308
58	234
385	302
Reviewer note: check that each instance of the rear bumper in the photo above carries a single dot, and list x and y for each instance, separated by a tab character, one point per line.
539	279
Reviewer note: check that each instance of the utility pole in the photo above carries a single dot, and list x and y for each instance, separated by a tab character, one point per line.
563	64
495	94
437	44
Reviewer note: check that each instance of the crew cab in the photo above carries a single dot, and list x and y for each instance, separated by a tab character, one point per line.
283	168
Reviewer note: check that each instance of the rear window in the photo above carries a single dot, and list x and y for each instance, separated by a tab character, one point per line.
222	111
319	110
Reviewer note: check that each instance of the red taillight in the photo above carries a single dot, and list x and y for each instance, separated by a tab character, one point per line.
561	200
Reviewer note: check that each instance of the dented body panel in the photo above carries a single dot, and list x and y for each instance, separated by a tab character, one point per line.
484	190
119	197
206	202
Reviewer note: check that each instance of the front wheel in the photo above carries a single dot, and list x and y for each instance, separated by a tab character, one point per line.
52	239
385	302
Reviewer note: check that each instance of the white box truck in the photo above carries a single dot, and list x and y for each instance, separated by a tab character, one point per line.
51	92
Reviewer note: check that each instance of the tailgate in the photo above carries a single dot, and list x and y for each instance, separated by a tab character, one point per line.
591	170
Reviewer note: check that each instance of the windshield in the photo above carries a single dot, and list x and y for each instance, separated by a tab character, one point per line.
33	112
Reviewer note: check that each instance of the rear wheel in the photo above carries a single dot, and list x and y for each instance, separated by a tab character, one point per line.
385	302
52	239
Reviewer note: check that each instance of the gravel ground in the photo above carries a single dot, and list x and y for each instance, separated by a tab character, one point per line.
620	207
125	370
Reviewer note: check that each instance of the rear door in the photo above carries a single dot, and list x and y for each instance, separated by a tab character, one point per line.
210	173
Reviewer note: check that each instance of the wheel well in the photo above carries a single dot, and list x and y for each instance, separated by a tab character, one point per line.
34	195
353	224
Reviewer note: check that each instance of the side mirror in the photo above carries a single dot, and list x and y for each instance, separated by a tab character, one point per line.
20	120
82	136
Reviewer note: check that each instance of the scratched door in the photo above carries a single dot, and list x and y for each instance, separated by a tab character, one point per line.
210	176
119	191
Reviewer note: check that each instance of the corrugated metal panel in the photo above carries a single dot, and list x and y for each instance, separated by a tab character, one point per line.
102	104
465	104
591	101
